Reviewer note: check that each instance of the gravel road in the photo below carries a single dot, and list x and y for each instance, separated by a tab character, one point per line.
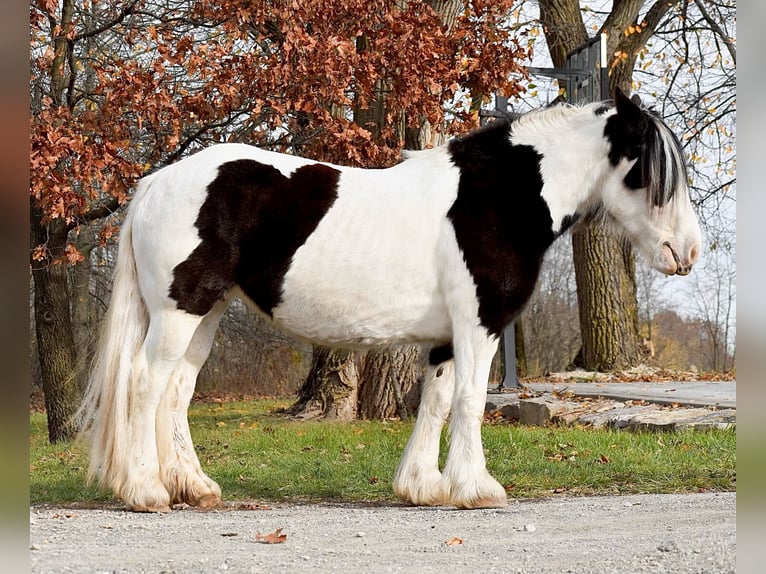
637	533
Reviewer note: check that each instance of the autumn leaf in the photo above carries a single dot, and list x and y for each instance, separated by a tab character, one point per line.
454	541
39	252
73	255
253	506
275	537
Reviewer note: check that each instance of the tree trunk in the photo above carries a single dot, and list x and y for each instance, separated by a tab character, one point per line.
53	328
389	383
82	326
521	347
330	390
563	27
605	272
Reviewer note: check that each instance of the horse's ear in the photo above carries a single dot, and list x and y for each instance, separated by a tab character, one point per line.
627	107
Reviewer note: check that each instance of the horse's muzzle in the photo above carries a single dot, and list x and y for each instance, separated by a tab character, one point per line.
682	270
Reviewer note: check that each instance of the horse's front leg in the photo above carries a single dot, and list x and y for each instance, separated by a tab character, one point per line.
465	481
417	479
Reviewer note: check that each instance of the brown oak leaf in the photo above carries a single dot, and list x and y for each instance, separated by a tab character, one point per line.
275	537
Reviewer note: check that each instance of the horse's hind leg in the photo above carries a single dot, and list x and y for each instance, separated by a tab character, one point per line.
180	468
417	478
168	337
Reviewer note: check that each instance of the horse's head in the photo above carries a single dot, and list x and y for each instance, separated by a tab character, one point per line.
645	189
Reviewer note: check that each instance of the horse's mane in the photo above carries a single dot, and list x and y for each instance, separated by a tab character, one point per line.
559	115
662	162
661	167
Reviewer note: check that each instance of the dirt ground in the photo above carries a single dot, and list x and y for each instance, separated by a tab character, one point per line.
636	533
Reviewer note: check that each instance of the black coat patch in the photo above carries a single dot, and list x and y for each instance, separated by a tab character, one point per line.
251	224
502	224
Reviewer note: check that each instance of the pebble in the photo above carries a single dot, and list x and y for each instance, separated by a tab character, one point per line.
668	546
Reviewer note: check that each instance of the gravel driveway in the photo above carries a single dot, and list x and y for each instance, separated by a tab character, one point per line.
637	533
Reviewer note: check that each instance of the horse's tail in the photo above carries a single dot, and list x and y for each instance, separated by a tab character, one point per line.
104	411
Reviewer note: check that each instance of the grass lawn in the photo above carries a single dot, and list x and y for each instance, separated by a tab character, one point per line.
255	454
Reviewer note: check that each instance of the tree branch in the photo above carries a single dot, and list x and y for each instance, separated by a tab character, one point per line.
718	30
103	209
126	11
183	146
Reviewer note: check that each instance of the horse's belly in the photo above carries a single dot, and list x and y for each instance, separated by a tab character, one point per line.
362	313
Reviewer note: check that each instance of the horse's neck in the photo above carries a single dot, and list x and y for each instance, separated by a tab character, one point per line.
574	154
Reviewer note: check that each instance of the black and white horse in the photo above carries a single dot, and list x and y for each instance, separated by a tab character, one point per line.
444	247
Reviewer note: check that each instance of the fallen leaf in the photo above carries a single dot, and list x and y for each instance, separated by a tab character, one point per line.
253	506
275	537
454	541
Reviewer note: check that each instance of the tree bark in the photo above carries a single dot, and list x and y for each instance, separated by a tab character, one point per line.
82	326
563	27
521	347
53	323
607	300
53	328
330	390
389	383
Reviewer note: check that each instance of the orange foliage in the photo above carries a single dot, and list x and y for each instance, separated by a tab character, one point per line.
147	82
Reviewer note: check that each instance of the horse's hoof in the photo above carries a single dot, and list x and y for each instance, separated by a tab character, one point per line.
160	508
209	501
484	502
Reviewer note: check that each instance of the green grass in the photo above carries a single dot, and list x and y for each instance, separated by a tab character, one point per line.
256	454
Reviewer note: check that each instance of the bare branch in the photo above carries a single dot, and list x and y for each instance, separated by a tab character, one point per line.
127	10
104	208
718	30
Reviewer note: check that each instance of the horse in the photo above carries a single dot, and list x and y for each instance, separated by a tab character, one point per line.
443	248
